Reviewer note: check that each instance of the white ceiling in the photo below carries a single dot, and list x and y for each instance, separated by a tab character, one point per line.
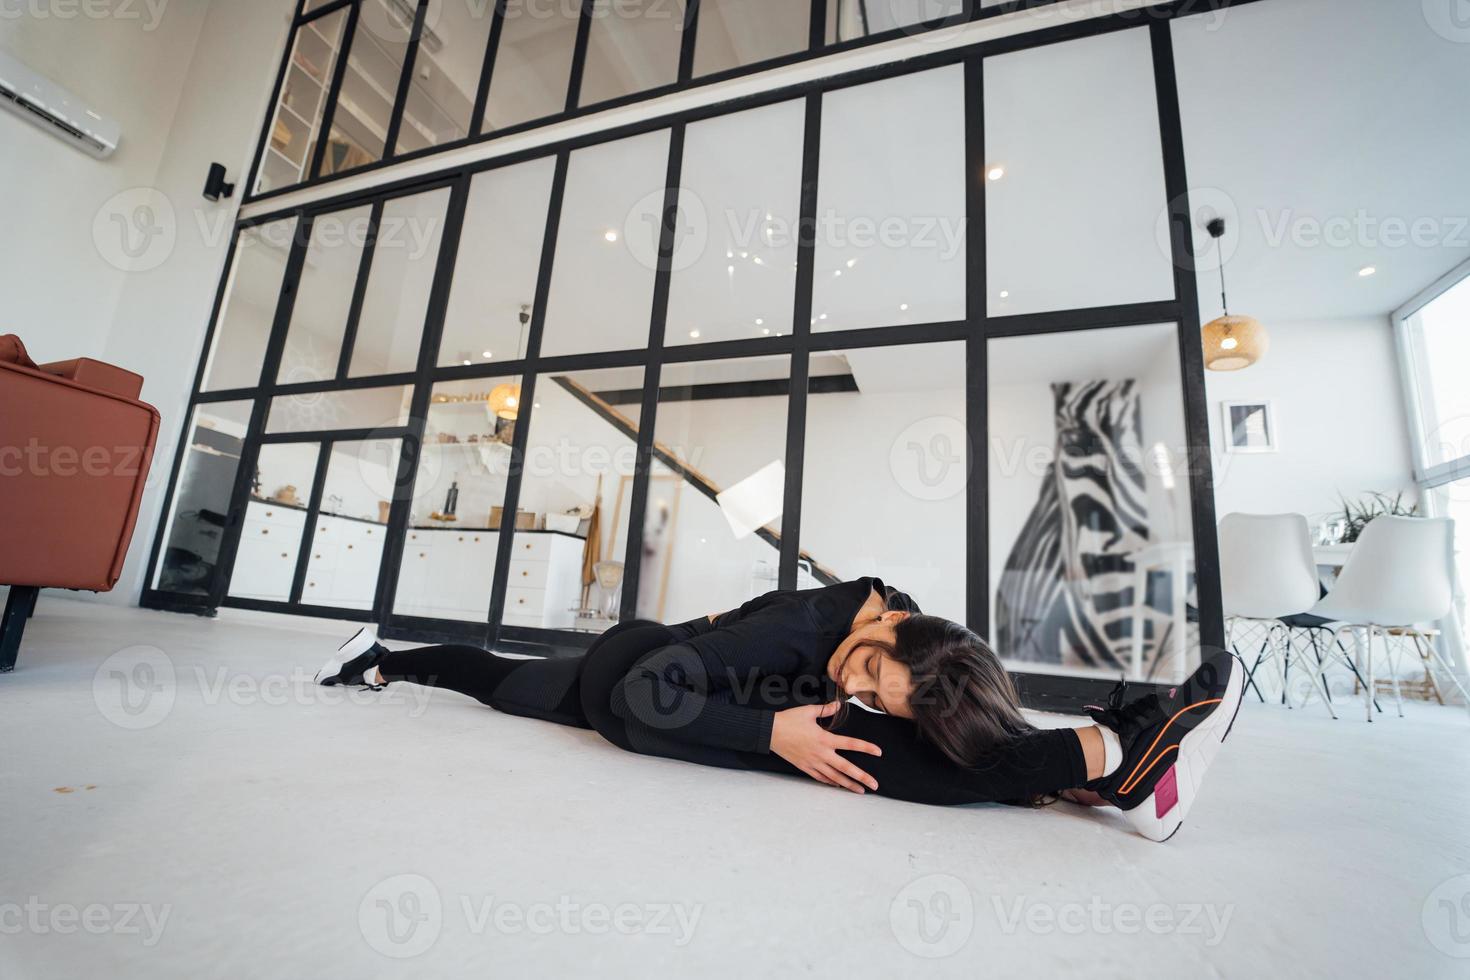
1321	110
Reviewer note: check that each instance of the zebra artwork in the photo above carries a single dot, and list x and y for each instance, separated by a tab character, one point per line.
1066	593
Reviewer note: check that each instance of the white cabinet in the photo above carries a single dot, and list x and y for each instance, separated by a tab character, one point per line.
345	558
269	545
545	580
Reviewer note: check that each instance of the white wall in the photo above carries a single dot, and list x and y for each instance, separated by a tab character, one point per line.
1339	412
190	86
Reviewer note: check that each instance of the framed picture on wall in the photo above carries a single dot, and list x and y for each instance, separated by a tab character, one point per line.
1249	427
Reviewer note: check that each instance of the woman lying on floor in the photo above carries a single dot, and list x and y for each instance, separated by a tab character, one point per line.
936	718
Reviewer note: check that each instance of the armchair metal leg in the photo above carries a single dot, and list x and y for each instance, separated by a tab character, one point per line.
18	608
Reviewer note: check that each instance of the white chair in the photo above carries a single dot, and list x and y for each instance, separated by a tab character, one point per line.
1266	572
1399	574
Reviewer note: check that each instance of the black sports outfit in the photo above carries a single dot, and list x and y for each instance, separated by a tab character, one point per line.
707	693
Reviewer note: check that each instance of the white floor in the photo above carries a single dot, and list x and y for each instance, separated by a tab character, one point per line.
178	801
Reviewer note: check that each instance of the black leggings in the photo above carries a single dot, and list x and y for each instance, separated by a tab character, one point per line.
580	692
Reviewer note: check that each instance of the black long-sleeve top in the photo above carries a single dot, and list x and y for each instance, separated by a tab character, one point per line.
721	684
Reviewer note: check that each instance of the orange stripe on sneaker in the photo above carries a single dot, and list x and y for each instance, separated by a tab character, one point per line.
1136	776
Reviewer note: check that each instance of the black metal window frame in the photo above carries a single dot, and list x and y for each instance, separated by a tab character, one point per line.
817	47
975	330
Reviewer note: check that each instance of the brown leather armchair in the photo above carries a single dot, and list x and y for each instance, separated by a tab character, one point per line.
75	448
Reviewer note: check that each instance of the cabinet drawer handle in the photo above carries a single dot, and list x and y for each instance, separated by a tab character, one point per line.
284	555
350	547
370	533
477	540
528	546
521	602
461	537
413	537
317	557
421	554
265	530
525	574
312	585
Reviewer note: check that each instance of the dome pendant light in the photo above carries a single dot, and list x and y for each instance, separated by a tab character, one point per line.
505	400
1231	343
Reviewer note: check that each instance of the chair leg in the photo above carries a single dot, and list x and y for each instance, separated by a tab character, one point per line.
1438	658
18	608
1391	656
1319	681
1353	666
1250	677
1368	690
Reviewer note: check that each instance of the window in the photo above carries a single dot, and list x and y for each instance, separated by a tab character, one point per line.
712	530
533	63
633	46
249	308
324	296
1439	347
890	232
734	260
499	260
446	75
196	523
734	33
296	124
1091	545
363	114
883	484
607	247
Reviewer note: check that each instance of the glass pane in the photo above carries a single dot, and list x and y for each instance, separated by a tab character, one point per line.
1453	501
1439	336
890	229
499	261
347	539
885	472
734	266
249	309
607	247
849	19
733	33
201	504
296	125
446	75
448	564
578	478
1091	548
374	66
633	47
324	296
712	535
533	64
1068	230
357	408
397	299
270	539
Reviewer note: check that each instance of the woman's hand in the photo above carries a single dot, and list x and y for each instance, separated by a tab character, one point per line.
800	740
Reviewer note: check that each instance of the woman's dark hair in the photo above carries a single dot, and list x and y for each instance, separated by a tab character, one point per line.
963	700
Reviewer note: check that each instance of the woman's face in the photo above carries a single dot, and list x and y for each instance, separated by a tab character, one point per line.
863	669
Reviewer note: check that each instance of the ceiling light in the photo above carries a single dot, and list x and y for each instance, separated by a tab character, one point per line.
745	255
758	260
822	317
694	334
759	321
1367	271
837	273
851	263
1231	343
768	216
610	235
466	362
766	331
487	354
730	269
995	173
1005	294
903	306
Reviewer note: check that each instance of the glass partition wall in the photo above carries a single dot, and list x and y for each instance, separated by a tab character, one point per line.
871	329
364	82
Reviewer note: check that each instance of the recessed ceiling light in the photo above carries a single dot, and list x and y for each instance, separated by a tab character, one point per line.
851	263
903	306
837	273
487	354
759	321
995	173
1367	271
610	235
730	269
729	254
1005	294
822	317
466	362
766	331
758	261
745	255
768	216
694	334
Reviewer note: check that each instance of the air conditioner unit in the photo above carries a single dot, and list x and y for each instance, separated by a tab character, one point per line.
54	109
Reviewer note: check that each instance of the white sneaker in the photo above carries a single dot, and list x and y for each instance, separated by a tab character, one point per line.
353	659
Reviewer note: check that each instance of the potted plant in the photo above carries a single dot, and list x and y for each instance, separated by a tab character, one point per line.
1355	516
